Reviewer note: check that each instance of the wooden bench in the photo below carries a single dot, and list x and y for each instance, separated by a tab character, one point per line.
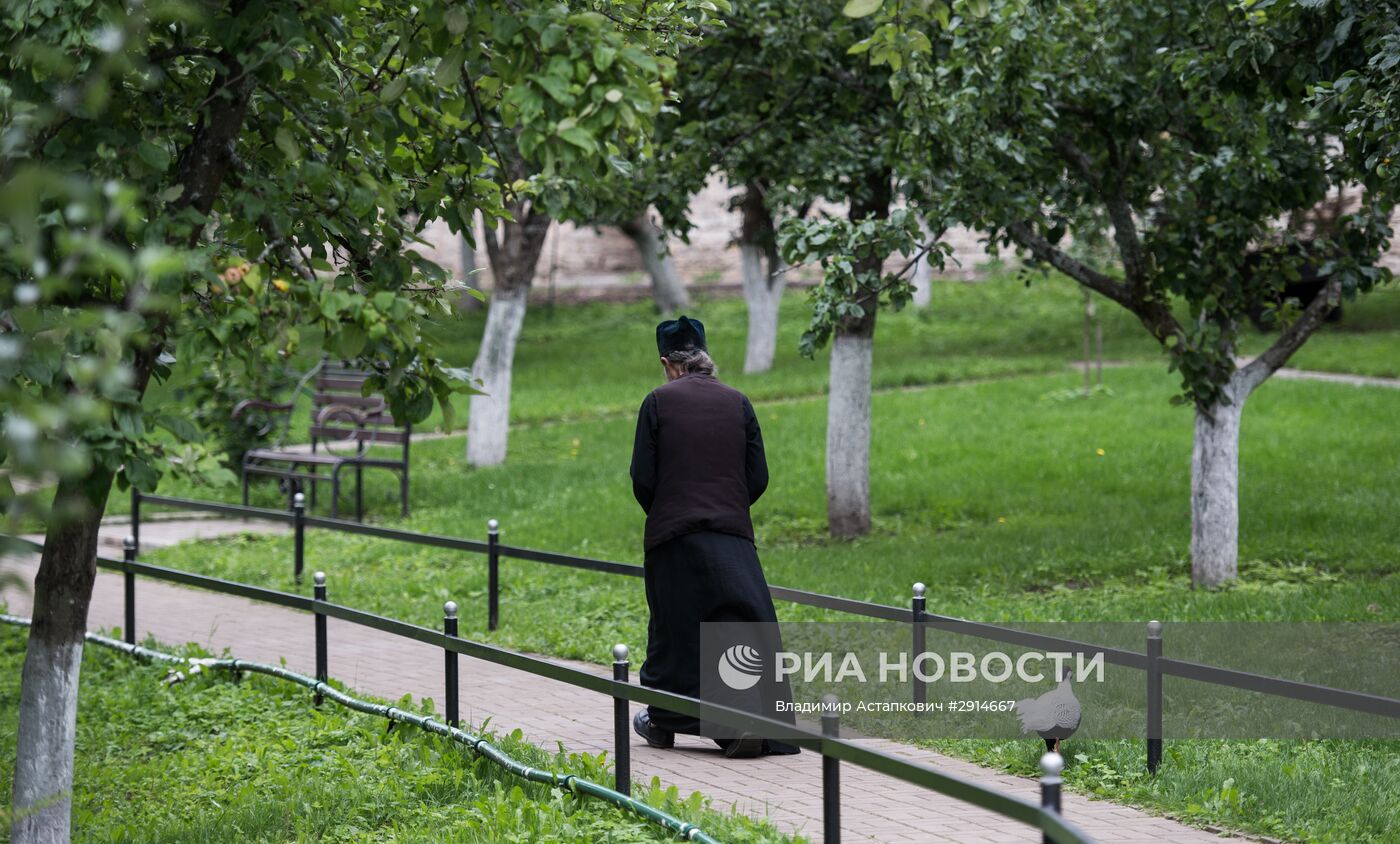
345	426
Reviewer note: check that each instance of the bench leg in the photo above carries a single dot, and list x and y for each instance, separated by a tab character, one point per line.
335	493
403	491
244	474
359	493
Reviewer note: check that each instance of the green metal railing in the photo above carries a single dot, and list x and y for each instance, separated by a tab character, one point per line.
1046	817
477	744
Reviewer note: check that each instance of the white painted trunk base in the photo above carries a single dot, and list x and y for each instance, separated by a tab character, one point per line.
848	435
488	427
1215	502
48	713
764	296
923	283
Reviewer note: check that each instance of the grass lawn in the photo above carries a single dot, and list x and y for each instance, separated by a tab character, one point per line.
991	489
993	493
213	760
591	360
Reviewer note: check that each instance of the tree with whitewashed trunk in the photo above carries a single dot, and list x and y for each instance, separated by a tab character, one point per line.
202	187
1191	137
775	101
237	221
922	281
851	253
514	252
598	87
764	277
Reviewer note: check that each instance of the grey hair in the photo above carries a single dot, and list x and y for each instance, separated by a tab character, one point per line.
692	361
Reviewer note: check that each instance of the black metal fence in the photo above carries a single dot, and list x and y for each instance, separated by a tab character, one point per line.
1047	816
1151	661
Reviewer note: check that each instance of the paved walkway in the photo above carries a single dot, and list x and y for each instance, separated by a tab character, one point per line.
1338	378
1286	373
786	790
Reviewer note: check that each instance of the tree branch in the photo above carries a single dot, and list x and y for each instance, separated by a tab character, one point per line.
1120	213
201	168
1259	369
1150	311
1091	278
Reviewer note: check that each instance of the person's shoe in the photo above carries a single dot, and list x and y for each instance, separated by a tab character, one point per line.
745	746
773	747
654	735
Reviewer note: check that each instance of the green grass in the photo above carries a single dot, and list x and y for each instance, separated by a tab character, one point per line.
212	760
1318	791
993	493
593	361
988	486
588	360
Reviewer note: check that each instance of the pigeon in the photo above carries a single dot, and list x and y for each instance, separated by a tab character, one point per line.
1054	716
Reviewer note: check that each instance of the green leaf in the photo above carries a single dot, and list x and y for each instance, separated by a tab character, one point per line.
350	341
603	56
457	20
129	422
579	137
558	89
861	8
155	156
182	428
449	70
394	89
287	143
140	474
552	35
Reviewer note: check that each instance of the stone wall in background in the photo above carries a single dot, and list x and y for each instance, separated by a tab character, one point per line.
587	257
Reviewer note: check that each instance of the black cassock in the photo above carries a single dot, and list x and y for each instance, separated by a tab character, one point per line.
697	466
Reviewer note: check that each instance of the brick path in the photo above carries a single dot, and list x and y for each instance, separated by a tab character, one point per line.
786	790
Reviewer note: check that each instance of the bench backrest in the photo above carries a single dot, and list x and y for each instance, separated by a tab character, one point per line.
338	385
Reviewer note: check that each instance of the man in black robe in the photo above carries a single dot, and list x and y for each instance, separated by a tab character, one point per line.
697	466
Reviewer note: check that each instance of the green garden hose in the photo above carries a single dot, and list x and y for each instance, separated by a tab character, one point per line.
686	831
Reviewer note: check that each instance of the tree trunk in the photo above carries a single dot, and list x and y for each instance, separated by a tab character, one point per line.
923	278
763	293
1215	454
763	281
848	429
48	710
489	423
666	288
923	284
848	404
513	260
48	707
1215	509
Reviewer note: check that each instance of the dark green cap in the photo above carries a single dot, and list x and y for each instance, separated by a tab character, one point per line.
682	334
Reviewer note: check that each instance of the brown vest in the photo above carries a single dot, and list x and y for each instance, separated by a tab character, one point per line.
705	443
